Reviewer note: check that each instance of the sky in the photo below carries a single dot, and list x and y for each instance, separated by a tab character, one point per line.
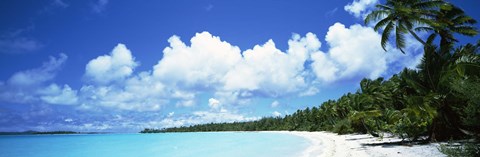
121	66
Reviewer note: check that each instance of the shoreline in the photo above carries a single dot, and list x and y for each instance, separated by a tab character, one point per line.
326	144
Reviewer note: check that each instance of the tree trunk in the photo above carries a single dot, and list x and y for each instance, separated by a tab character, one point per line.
444	44
368	130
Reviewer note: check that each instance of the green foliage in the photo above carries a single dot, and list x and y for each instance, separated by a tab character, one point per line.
400	17
414	122
468	89
343	127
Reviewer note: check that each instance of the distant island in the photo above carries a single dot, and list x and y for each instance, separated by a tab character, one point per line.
31	132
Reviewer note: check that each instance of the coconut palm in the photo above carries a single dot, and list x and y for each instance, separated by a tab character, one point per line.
447	21
401	16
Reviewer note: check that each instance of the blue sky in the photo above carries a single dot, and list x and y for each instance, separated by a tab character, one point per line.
104	65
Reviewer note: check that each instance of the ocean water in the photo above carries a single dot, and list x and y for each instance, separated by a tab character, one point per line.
212	144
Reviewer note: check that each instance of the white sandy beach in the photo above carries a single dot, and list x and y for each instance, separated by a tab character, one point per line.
325	144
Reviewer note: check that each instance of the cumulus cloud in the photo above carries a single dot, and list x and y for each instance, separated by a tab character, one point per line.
349	57
123	89
268	70
114	67
201	65
359	8
355	53
211	64
138	93
54	94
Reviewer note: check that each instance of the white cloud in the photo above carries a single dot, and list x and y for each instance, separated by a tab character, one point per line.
39	75
124	90
201	65
256	68
323	67
214	103
359	8
140	92
26	86
309	92
114	67
355	53
270	71
275	103
210	64
349	57
54	94
276	114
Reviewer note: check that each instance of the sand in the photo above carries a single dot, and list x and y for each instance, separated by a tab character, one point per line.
325	144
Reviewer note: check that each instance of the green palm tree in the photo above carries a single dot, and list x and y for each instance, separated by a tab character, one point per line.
401	16
447	21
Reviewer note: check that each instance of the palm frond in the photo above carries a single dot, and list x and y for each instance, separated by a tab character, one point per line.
375	15
428	4
383	7
386	34
382	23
400	38
425	29
464	20
465	30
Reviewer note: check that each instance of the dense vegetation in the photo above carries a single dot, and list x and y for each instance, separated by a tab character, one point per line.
438	101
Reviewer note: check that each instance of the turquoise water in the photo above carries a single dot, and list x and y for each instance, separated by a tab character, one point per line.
221	144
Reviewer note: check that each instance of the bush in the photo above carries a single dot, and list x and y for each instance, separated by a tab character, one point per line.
343	127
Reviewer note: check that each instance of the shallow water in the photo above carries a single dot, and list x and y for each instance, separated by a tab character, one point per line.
231	144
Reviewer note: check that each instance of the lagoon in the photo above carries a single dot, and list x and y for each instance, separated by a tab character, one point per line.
199	144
